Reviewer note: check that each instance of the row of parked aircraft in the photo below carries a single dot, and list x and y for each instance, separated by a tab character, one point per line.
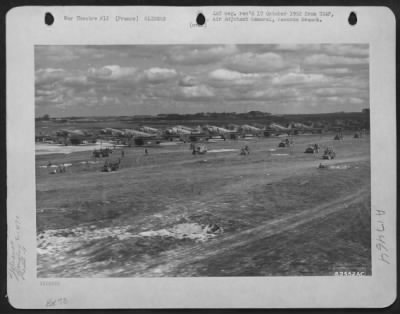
210	130
125	132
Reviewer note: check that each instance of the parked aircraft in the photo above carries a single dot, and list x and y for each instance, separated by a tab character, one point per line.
125	132
192	130
181	130
233	127
277	129
134	133
218	130
114	132
148	129
301	126
250	129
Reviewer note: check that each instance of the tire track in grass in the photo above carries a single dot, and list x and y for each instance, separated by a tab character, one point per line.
174	263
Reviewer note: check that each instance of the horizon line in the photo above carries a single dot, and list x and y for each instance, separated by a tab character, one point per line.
197	113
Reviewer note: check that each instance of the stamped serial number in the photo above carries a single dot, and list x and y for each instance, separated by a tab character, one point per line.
349	273
49	283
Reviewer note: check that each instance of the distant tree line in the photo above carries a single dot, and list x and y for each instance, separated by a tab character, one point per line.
213	115
45	117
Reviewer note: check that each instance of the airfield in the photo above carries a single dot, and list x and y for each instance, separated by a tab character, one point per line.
170	213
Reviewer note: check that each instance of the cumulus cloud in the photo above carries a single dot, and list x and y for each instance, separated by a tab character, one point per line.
345	100
107	100
287	47
46	100
298	78
223	74
250	62
330	49
292	77
195	92
187	55
41	92
335	71
360	82
188	81
227	77
76	81
56	54
329	60
49	75
269	94
117	74
347	50
112	72
159	75
66	54
356	100
329	91
297	48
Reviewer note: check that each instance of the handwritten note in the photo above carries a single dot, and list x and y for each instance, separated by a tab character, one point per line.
52	302
380	241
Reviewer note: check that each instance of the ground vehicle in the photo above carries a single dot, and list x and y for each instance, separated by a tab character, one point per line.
329	153
103	152
111	165
245	151
285	143
312	149
199	149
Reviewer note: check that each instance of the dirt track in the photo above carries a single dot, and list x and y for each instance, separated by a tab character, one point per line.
280	214
182	258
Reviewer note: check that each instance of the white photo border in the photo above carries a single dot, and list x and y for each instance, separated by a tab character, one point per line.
25	29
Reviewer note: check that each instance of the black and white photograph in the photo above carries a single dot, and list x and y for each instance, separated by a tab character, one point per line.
213	157
202	160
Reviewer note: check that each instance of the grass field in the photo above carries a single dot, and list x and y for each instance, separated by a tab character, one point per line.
271	213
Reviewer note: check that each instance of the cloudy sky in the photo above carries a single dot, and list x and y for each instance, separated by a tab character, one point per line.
129	80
